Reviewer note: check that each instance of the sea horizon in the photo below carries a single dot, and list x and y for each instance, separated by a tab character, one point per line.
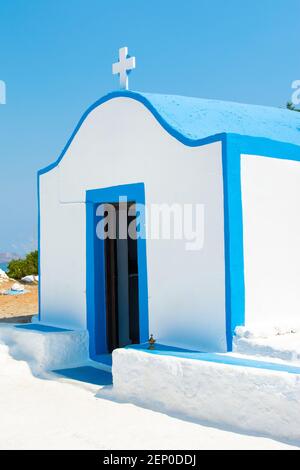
4	266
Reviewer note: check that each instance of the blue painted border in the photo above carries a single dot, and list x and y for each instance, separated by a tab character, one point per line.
226	359
39	247
42	328
95	266
236	145
233	145
141	99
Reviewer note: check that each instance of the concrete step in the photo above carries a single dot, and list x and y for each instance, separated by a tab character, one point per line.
45	347
245	395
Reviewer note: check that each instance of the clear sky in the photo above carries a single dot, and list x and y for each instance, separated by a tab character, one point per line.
56	56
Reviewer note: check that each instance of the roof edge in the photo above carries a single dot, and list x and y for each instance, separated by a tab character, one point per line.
141	99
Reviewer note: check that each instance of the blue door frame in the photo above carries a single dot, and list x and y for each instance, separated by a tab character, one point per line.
95	265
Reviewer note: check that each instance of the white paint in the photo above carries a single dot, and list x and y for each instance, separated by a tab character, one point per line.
265	331
280	345
62	260
120	142
271	229
125	65
239	398
46	351
63	414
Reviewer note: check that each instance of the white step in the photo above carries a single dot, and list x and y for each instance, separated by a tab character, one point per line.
45	348
243	398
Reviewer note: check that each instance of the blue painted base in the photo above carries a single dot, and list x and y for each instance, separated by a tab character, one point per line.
163	350
86	374
105	359
41	328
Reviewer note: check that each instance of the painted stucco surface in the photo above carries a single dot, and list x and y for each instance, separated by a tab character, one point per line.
129	137
59	413
62	257
46	351
119	143
198	118
245	399
271	233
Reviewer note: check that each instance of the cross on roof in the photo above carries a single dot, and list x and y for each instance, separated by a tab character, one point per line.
123	67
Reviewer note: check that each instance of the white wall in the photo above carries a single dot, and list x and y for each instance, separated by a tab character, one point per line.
120	143
271	209
62	246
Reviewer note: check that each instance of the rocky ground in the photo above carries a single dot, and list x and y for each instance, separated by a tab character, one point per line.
18	307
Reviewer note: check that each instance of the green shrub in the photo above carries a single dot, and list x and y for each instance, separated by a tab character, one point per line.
19	268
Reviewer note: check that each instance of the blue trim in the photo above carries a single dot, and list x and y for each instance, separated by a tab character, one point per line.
42	328
233	241
233	145
104	359
86	374
39	247
236	145
141	99
95	285
226	245
95	267
226	359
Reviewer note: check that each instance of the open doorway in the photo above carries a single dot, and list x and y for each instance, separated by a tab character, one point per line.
112	265
122	277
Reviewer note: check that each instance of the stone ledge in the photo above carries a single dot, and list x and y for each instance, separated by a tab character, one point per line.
251	400
46	350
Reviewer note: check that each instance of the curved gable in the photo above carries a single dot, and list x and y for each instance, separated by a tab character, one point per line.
192	121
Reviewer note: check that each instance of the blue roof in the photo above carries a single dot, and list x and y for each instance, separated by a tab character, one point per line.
194	119
197	118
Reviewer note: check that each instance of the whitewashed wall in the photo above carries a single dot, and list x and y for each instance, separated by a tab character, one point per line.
271	224
62	246
120	143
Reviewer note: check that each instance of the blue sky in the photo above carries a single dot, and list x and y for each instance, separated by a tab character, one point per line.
56	56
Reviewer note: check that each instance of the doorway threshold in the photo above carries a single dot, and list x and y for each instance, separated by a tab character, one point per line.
103	360
86	374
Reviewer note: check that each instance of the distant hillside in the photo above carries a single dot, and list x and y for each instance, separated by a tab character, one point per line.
6	257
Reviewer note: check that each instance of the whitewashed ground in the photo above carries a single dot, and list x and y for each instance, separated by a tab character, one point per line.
282	346
49	414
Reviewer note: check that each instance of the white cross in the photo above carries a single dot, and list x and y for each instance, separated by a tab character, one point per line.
124	66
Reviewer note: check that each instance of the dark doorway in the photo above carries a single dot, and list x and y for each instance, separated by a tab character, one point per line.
121	262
